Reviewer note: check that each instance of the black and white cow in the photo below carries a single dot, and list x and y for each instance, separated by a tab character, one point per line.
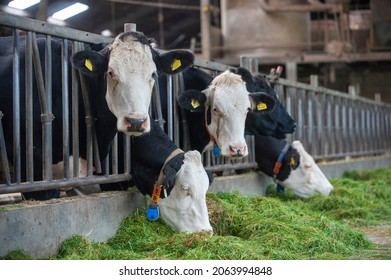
156	160
129	65
290	166
217	113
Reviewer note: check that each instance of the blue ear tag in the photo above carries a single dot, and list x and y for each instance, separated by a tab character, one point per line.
280	188
216	151
152	212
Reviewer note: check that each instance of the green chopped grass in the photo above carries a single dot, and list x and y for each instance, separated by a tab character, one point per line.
359	198
245	227
278	226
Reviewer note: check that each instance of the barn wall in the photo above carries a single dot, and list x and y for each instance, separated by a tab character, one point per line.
39	229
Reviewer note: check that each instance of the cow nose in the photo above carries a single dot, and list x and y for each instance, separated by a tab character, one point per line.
136	124
237	150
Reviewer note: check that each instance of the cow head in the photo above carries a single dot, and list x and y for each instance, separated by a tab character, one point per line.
130	65
276	124
184	209
307	179
226	103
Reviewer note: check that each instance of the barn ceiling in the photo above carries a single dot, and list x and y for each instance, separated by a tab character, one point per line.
171	22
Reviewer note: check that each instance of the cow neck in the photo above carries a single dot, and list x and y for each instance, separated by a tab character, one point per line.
159	182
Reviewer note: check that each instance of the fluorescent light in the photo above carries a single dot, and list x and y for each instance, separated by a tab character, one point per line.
22	4
70	11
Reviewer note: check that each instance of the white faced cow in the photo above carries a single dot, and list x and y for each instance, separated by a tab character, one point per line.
158	164
225	104
185	210
290	166
131	64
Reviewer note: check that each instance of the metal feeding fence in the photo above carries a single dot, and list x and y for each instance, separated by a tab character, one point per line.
330	124
11	169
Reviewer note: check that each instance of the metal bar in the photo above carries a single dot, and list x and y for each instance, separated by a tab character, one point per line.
65	107
75	116
169	107
127	149
51	29
47	149
157	103
114	155
3	154
29	108
56	184
16	107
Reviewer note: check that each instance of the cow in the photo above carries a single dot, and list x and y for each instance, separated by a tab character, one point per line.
129	65
272	121
157	162
216	114
290	166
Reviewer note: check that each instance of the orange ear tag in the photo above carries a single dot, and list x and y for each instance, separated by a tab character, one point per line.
261	106
156	194
88	64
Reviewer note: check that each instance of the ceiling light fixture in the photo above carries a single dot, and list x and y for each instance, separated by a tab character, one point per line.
22	4
70	11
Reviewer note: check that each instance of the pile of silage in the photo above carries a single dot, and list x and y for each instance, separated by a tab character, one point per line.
245	227
279	226
359	198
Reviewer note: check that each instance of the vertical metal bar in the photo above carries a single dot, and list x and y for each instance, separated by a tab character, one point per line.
88	120
29	108
127	149
47	126
300	116
114	155
169	107
157	103
320	102
3	154
16	107
75	116
310	123
65	106
175	110
344	143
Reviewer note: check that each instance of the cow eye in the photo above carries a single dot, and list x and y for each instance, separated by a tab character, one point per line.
249	109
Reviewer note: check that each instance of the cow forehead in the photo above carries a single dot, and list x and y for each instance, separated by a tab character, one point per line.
132	55
231	96
194	176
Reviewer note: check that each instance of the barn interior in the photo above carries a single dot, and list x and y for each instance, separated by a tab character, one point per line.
347	43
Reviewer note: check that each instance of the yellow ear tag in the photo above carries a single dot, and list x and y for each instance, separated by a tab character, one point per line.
195	103
261	106
88	64
176	64
292	163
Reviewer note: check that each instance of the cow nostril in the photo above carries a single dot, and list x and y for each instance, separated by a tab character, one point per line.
237	150
136	124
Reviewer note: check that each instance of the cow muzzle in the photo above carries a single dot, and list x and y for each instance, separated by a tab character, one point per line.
136	126
237	151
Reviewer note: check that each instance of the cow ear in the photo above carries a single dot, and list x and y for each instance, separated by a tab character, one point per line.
169	176
174	61
91	63
192	100
262	102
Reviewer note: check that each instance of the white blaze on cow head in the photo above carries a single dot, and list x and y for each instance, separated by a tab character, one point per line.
226	103
307	179
185	210
130	65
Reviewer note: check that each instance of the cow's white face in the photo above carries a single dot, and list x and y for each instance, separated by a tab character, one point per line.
185	210
129	65
307	179
129	84
229	103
